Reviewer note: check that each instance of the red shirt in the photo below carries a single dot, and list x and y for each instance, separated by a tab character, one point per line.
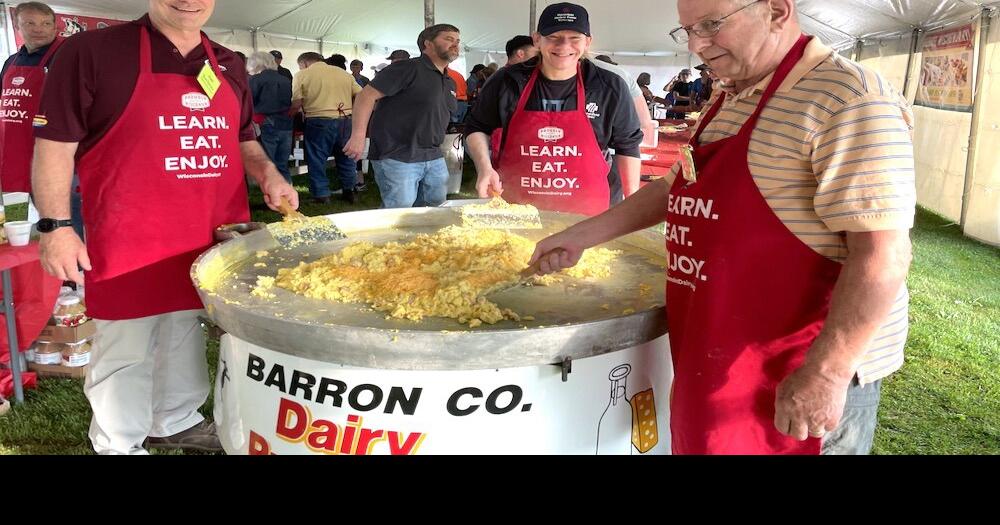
91	79
461	89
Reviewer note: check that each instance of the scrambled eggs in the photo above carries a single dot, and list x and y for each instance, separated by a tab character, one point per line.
446	274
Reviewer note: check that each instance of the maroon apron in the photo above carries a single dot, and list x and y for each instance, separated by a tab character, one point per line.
551	159
155	187
22	92
745	299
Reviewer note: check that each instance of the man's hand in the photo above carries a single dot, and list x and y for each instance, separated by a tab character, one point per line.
810	402
558	252
274	188
488	183
355	147
62	253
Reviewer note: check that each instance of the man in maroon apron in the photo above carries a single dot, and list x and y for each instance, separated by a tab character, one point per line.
23	79
772	332
559	115
158	121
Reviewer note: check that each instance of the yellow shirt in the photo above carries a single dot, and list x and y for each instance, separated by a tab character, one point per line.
325	90
832	153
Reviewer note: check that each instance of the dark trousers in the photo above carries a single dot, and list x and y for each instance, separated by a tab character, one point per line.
278	146
325	137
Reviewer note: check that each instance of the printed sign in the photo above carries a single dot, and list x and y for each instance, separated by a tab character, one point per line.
69	25
268	402
946	71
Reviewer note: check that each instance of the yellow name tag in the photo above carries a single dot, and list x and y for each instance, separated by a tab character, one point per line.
209	81
687	163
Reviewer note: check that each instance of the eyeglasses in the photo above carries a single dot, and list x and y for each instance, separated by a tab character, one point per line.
705	28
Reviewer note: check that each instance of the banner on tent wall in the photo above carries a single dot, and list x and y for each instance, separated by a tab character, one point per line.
69	25
946	73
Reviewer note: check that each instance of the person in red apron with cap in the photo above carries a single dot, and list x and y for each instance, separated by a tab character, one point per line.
23	79
157	178
766	334
559	115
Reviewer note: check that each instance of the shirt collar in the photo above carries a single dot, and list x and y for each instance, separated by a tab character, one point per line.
426	60
815	53
38	52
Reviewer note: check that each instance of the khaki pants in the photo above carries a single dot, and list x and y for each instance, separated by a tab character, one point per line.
147	377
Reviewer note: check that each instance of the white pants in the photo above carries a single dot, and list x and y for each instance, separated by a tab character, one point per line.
147	377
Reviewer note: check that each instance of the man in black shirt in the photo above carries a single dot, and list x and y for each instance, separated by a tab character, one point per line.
609	121
415	99
285	72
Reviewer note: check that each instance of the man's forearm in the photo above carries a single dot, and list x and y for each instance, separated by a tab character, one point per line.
868	286
256	163
646	208
52	177
361	114
479	149
628	169
296	107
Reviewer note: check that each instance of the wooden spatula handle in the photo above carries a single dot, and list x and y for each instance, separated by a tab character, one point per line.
285	208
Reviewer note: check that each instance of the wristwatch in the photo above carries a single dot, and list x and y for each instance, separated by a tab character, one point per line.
50	225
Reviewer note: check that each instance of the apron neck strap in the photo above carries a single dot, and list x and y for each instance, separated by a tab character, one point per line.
146	54
787	64
51	51
581	97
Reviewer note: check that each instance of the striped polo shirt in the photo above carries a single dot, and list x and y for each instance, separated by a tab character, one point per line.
832	153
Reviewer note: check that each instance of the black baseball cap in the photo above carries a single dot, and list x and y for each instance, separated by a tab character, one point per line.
564	16
702	67
398	54
276	54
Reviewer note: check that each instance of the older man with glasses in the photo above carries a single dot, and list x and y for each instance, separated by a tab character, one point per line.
788	224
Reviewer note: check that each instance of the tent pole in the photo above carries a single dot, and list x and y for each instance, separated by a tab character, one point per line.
253	38
532	16
428	13
858	47
977	113
909	61
320	42
8	29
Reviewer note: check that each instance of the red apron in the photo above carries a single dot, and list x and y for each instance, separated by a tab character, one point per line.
552	159
745	299
22	91
154	188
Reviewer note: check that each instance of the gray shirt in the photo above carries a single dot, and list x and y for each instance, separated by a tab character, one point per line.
409	122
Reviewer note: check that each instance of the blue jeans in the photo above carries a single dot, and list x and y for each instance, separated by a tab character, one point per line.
408	184
278	146
460	110
324	137
856	430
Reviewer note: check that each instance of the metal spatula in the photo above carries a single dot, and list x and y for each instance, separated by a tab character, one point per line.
296	229
501	215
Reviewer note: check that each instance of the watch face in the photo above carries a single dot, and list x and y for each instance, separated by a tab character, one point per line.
45	225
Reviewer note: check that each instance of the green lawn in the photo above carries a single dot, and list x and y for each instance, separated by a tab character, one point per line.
946	400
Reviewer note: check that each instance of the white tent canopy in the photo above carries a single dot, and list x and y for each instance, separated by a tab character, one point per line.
957	153
623	27
634	32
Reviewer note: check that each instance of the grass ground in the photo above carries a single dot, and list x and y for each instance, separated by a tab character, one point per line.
945	400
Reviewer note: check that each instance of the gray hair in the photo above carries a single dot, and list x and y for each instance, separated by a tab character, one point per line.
259	61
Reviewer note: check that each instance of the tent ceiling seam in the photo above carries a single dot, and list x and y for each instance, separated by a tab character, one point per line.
294	9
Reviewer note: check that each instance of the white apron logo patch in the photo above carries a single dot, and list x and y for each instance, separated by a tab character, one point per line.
195	101
592	110
17	81
551	134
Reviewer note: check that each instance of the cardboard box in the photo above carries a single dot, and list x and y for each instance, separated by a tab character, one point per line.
73	372
68	334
